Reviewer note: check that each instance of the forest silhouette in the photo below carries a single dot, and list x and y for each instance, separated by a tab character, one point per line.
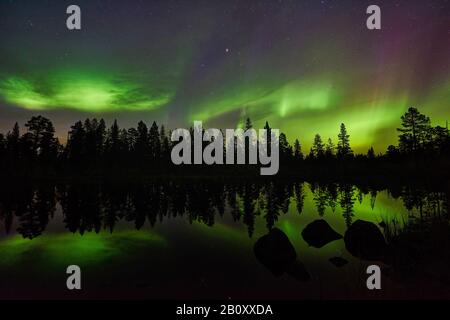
93	150
44	179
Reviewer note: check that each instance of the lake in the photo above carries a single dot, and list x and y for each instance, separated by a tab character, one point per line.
218	239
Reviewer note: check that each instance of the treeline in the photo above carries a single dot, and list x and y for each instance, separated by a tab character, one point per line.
93	148
417	139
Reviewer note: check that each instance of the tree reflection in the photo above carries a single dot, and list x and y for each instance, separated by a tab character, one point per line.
96	206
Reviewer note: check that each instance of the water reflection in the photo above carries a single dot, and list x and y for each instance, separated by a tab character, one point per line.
93	207
294	232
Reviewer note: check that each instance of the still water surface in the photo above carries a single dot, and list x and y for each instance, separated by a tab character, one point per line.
199	240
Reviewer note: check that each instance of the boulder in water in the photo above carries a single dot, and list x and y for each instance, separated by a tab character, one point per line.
275	251
319	233
364	240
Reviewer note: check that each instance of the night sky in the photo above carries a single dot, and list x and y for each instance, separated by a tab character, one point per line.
305	66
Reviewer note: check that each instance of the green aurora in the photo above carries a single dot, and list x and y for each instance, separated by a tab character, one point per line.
82	91
304	71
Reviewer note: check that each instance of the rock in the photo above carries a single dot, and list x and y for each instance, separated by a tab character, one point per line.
338	261
364	240
275	251
319	233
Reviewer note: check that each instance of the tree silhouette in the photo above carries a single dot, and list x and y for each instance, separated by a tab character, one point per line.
371	154
269	137
155	142
2	147
165	145
248	124
90	148
95	133
298	155
440	141
318	147
76	142
132	137
13	144
392	152
126	143
343	147
248	140
285	148
41	139
112	144
142	147
329	149
414	131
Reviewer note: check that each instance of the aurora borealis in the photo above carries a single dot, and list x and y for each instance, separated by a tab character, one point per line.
81	91
304	66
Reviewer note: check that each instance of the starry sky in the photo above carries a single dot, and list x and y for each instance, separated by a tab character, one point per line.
304	66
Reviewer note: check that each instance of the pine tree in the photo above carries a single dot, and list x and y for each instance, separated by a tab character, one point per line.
113	141
142	146
414	131
329	149
298	155
133	136
75	147
91	127
125	143
440	141
269	138
2	145
155	142
248	124
318	147
13	143
100	137
41	136
343	148
285	148
392	152
165	145
371	153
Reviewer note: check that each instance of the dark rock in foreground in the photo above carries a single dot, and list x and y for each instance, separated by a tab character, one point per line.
275	251
319	233
364	240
